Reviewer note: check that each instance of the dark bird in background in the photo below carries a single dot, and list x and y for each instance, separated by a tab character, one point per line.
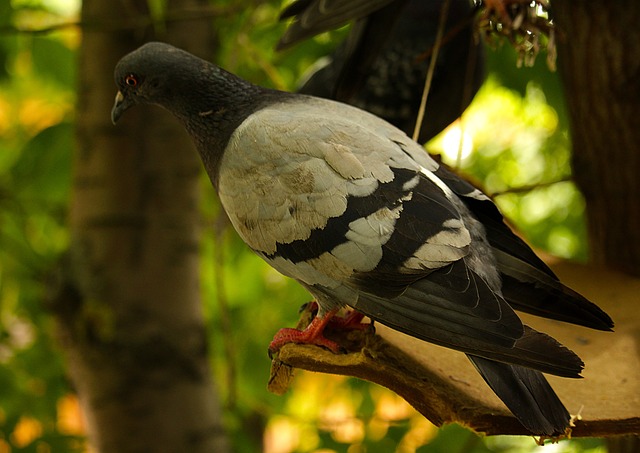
361	216
316	16
382	64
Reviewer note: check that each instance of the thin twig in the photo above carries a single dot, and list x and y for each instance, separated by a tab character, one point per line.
432	66
532	187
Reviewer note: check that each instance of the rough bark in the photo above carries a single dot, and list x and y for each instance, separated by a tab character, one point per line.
130	315
599	61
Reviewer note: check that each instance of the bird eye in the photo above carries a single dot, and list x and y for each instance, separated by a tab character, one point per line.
131	80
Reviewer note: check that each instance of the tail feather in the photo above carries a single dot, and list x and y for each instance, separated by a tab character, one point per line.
420	313
531	290
527	394
547	354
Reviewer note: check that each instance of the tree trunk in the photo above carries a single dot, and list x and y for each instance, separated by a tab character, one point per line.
599	61
131	319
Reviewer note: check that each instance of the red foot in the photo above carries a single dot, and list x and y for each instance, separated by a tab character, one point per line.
313	334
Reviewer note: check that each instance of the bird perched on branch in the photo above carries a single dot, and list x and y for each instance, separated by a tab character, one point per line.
382	64
361	216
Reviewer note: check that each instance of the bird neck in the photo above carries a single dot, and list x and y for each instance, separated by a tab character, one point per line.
217	104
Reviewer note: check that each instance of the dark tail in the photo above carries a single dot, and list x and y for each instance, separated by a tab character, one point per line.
527	394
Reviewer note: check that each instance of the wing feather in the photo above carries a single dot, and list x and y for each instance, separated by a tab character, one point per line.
317	16
528	284
473	334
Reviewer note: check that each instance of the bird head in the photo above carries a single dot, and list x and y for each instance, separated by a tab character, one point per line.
147	76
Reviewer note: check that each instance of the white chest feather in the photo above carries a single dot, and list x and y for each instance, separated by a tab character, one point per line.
292	178
286	172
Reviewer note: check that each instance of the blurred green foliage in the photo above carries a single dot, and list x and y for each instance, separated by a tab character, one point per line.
36	125
518	130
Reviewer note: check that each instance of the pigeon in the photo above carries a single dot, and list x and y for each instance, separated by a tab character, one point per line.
382	65
362	217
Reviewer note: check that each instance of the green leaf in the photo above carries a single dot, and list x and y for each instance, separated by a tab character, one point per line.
52	59
43	170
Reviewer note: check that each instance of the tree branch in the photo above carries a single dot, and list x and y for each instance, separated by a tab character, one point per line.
444	387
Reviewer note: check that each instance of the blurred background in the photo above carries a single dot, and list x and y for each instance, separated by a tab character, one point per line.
512	141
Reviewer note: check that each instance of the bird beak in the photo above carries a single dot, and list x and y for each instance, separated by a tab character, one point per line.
120	106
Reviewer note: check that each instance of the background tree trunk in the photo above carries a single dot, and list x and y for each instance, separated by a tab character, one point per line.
599	62
131	318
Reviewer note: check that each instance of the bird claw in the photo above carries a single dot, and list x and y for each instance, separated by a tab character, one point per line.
289	335
314	332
